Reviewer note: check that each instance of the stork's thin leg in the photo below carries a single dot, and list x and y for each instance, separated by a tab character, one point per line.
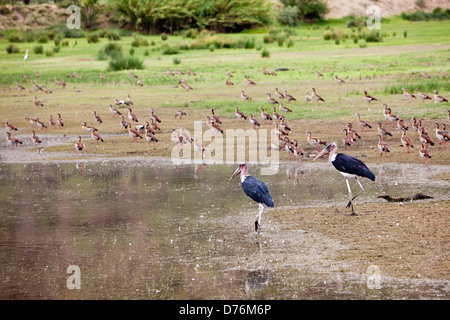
258	219
350	202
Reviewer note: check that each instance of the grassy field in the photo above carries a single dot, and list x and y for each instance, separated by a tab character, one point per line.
381	68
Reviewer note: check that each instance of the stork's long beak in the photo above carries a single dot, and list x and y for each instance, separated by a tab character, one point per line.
238	170
321	153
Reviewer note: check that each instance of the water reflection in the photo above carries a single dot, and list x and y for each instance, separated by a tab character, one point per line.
146	230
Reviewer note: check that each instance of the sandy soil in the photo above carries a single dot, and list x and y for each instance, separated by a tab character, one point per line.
406	240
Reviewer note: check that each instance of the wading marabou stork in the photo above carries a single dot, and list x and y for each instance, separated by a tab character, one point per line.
256	190
349	167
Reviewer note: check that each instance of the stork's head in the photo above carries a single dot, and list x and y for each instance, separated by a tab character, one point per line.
331	148
241	169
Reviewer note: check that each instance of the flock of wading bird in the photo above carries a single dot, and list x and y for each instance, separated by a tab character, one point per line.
149	128
348	166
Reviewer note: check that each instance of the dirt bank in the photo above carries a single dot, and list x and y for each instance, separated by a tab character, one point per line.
406	240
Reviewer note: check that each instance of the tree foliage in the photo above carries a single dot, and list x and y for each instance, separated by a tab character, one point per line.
308	10
154	16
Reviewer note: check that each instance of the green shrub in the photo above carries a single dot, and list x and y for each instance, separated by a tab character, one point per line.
42	39
405	34
49	53
112	36
436	14
163	37
267	39
93	38
289	16
110	50
362	44
373	36
65	43
135	43
176	61
146	53
168	50
56	49
131	51
12	48
58	39
120	62
191	33
15	37
265	53
337	42
38	49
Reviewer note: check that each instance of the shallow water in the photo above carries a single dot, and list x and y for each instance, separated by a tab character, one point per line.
143	229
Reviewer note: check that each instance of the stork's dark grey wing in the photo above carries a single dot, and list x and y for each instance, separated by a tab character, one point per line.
257	191
347	164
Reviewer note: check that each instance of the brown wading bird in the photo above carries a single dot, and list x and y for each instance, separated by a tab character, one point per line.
288	97
271	100
114	111
316	97
283	108
408	95
38	103
424	153
133	133
51	121
79	146
87	128
253	121
264	115
35	139
339	80
383	132
423	96
348	140
213	126
179	114
60	120
438	98
369	98
96	137
382	146
153	116
442	135
424	137
245	96
363	124
406	142
215	117
9	127
240	115
97	118
13	142
278	94
40	124
314	142
132	116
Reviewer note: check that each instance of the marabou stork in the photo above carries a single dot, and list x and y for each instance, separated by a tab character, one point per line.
256	190
349	167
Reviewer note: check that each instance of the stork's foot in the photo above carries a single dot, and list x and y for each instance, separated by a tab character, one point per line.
350	205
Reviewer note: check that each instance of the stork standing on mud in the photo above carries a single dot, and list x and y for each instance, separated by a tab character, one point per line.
349	167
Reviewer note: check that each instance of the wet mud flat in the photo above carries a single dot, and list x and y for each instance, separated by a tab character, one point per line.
144	229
